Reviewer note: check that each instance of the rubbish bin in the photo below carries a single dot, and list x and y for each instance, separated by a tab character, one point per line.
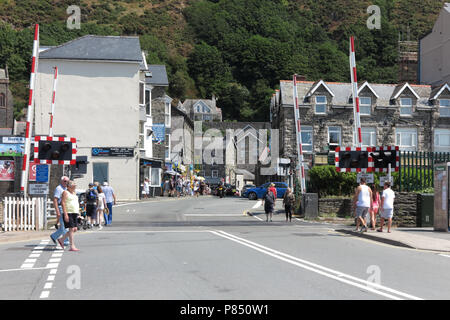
310	205
425	211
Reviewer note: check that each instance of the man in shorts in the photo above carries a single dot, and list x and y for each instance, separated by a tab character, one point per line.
387	206
362	201
91	204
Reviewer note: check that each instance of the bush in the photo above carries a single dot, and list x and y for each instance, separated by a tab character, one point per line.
326	181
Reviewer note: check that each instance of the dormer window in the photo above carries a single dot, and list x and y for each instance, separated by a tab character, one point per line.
365	106
444	107
406	106
2	100
321	105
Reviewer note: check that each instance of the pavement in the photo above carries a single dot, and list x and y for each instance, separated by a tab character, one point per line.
414	238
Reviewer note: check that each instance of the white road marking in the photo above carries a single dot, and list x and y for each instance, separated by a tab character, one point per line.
257	205
53	271
48	285
51	278
34	255
258	218
23	269
57	255
30	261
54	260
44	294
327	272
213	215
27	265
52	265
444	255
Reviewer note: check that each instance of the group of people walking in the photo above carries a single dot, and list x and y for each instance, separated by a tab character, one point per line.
179	186
270	197
368	202
99	203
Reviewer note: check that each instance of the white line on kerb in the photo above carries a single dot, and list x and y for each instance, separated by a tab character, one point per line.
327	272
444	255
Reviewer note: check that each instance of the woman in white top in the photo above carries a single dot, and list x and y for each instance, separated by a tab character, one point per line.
101	205
71	210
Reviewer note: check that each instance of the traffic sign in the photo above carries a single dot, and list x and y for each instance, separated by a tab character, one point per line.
368	176
41	173
383	179
38	189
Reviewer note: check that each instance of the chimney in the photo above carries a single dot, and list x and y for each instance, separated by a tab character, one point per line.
213	98
301	78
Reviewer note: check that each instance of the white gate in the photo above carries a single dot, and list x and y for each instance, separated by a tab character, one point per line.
23	213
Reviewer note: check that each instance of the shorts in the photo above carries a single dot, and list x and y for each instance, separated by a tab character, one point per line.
91	210
179	189
387	213
362	212
72	221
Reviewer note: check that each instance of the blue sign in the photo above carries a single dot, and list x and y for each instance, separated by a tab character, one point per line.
159	132
41	173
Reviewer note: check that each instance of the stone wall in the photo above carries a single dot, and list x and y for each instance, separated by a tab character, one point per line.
405	208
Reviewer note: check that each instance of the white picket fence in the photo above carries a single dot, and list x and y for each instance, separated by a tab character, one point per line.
21	214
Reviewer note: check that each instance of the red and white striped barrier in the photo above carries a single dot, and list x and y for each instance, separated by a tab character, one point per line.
52	112
356	111
369	159
397	158
73	161
30	112
298	130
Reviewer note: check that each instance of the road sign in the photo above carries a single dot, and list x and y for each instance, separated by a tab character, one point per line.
385	178
368	176
38	189
41	173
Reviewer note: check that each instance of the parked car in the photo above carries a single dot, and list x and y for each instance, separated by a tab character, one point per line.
230	190
246	187
258	192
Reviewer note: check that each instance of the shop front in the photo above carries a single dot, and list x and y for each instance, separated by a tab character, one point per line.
153	170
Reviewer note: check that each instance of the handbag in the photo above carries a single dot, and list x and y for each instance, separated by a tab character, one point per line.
106	211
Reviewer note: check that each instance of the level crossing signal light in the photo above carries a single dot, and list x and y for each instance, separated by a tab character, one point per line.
382	159
353	159
55	150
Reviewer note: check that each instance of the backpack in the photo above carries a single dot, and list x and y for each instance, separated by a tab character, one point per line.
91	196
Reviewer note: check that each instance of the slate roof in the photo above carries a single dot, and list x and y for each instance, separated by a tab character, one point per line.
158	75
188	104
343	91
91	47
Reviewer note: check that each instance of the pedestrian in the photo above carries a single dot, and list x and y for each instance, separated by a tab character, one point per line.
387	206
273	189
146	188
59	212
101	205
91	204
166	188
375	206
179	186
171	186
71	210
269	203
362	201
289	203
110	198
196	187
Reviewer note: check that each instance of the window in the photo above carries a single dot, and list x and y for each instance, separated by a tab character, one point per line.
321	105
334	136
206	109
148	110
2	100
141	92
365	106
307	139
100	170
215	173
207	117
442	140
167	114
155	180
444	107
369	137
167	147
406	139
141	135
405	106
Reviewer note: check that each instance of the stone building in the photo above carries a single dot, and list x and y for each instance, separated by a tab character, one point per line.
201	109
414	117
6	104
182	143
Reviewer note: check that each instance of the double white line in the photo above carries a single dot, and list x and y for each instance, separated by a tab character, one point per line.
324	271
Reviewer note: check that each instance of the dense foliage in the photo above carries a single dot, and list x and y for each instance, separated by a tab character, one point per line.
235	49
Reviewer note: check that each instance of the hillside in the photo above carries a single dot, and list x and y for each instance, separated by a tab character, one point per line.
236	49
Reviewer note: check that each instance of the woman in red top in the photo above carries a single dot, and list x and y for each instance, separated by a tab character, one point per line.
375	206
273	190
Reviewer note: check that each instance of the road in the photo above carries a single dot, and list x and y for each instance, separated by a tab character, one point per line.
207	249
